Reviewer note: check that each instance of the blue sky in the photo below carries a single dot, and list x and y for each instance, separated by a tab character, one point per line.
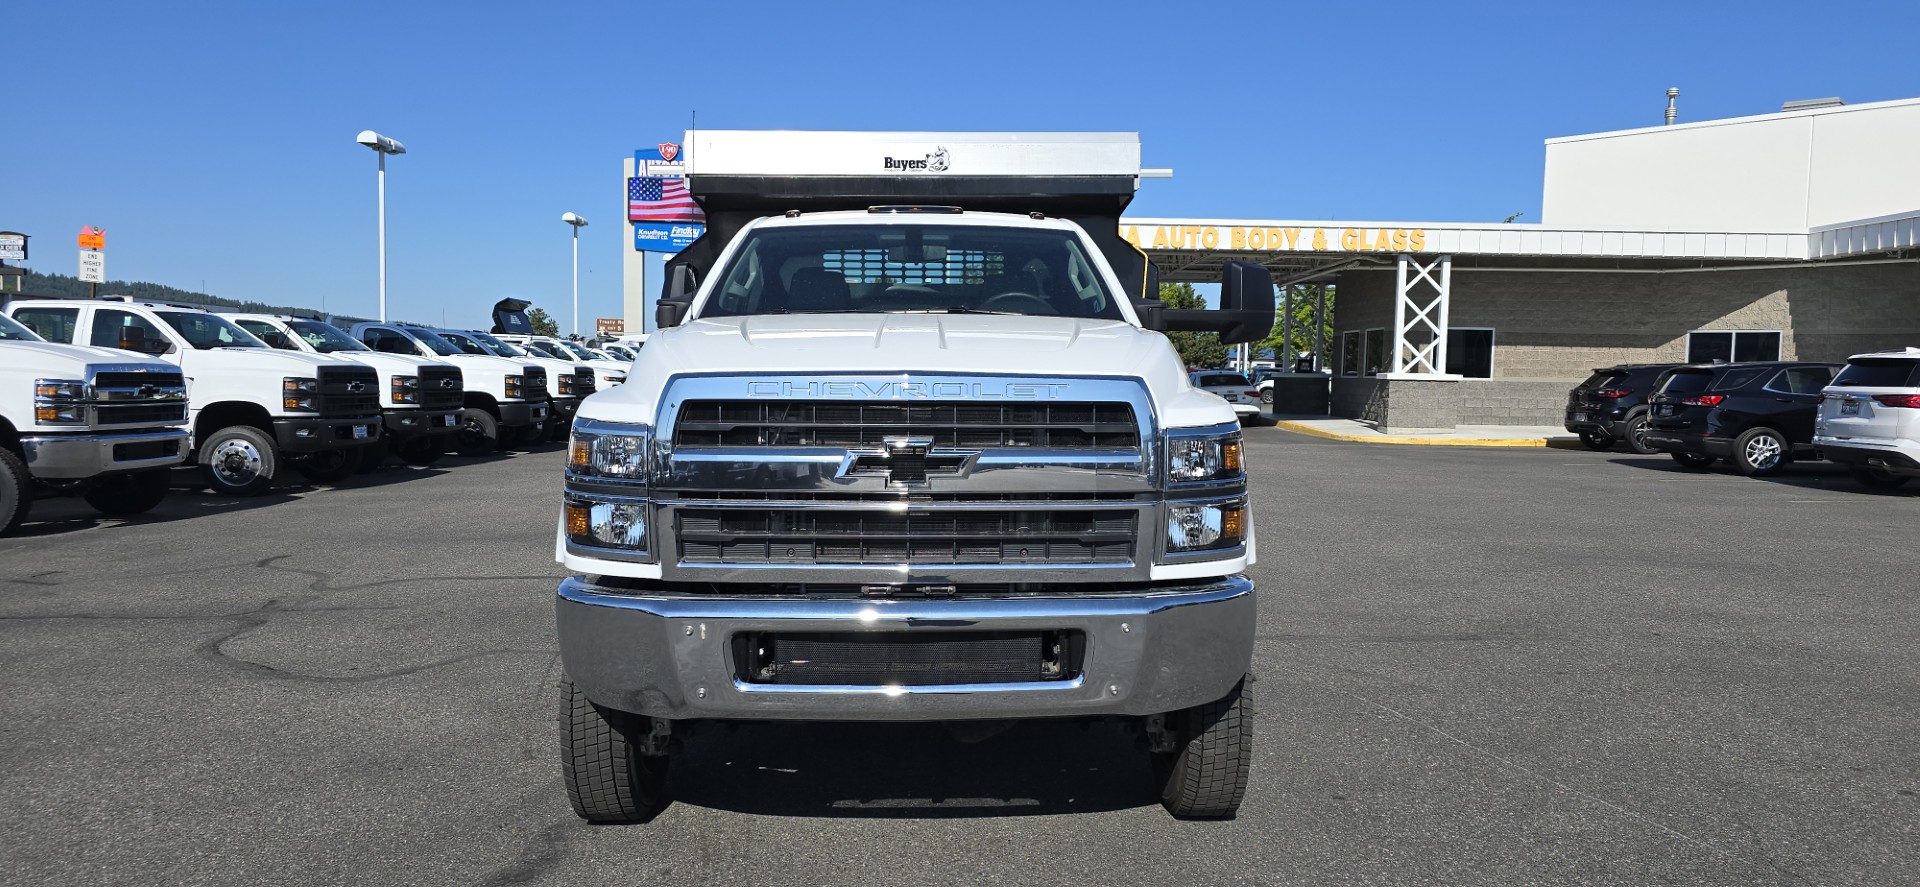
214	142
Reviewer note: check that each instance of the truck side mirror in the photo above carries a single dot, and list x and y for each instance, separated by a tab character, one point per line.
1246	302
1245	313
676	296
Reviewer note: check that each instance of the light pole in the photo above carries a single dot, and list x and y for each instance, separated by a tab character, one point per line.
383	146
577	222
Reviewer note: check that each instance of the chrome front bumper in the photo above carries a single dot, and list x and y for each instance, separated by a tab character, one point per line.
76	456
671	655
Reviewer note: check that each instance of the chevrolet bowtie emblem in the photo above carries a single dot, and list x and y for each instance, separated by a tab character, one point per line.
905	461
356	386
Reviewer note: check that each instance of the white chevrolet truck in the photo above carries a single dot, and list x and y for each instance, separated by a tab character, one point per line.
506	400
422	399
908	446
88	422
254	410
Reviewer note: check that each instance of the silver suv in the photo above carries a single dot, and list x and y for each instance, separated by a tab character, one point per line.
1870	418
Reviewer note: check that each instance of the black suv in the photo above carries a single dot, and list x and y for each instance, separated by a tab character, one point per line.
1758	416
1611	406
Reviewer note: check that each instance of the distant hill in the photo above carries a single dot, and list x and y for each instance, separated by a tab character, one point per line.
33	283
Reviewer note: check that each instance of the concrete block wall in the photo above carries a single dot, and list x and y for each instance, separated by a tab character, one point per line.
1513	401
1398	404
1556	326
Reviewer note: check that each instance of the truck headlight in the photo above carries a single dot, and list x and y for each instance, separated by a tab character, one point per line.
617	524
609	452
406	389
59	402
565	385
1206	525
514	384
1204	458
298	395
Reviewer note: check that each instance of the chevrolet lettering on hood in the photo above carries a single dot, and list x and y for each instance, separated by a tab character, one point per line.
909	390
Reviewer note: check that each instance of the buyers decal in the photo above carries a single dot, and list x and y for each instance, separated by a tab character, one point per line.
935	162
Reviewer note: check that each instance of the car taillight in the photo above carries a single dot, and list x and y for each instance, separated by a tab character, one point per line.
1613	393
1703	400
1251	393
1907	401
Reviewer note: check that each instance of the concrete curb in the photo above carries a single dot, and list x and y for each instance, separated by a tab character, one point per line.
1311	431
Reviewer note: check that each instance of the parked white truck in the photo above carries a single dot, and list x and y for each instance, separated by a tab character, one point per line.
907	445
87	422
568	382
506	400
422	399
607	372
254	410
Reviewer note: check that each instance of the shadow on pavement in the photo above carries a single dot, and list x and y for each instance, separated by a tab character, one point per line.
1806	475
911	771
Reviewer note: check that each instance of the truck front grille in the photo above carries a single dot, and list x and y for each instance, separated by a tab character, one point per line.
972	537
536	382
583	383
825	423
163	413
134	380
346	392
440	388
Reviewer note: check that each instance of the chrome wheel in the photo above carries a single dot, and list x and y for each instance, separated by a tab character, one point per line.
236	462
1763	452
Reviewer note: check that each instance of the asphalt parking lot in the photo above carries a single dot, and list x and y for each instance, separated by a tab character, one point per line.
1512	666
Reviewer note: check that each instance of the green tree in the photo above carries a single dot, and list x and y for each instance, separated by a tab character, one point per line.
1199	350
1304	296
542	324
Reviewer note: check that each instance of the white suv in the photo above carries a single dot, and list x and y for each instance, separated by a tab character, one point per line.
1870	418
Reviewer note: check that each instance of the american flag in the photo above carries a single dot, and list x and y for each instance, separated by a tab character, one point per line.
657	199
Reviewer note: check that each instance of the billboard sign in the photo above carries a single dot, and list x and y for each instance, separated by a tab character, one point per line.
664	215
13	246
610	326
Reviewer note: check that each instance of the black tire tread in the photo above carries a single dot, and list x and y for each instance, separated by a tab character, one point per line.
1877	478
607	779
14	476
1206	778
130	494
1739	458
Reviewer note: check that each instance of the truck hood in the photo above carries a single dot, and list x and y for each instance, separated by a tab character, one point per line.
50	357
911	344
265	360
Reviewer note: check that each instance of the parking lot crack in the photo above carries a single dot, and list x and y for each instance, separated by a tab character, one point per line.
323	580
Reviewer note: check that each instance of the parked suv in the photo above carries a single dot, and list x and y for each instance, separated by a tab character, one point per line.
1232	388
1611	405
1870	418
1758	416
89	422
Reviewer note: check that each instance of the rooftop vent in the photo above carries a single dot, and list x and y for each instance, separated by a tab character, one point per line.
1810	104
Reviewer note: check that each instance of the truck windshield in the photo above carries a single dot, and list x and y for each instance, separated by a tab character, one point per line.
436	344
325	338
206	332
897	268
12	331
480	343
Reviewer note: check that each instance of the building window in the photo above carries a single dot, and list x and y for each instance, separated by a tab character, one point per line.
1470	352
1708	346
1350	353
1375	356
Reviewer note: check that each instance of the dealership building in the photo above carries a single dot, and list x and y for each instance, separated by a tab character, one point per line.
1793	235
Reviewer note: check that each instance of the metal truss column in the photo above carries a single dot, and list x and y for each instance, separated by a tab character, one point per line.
1319	326
1420	312
1285	361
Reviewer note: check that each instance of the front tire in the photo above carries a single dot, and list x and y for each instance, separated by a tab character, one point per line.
373	456
1205	776
240	460
129	494
16	491
1761	452
607	778
1597	440
1877	478
1692	460
423	451
479	433
329	466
